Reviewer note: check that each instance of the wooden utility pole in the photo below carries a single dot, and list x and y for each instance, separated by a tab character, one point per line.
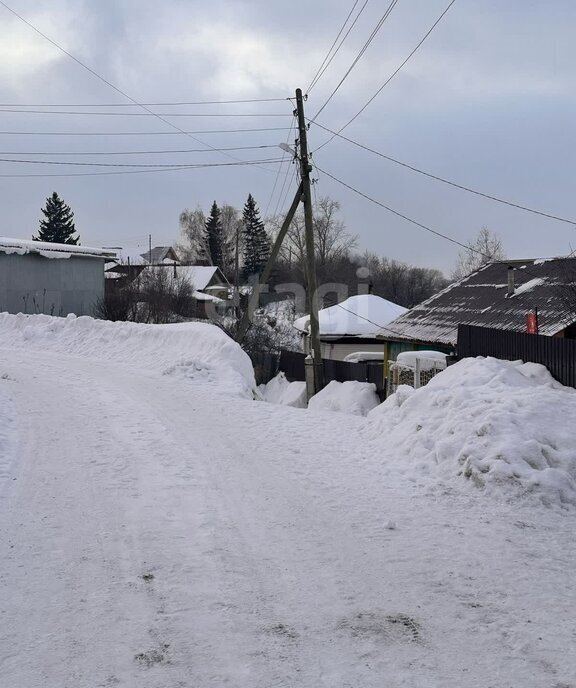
312	291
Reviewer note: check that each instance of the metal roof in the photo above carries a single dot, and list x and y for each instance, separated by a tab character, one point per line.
52	250
482	299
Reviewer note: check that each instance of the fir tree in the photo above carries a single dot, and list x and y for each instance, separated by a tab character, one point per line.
215	236
58	225
256	240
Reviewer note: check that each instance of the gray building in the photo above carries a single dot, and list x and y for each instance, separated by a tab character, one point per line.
55	279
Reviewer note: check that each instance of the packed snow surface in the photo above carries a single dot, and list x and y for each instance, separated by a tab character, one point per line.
166	531
353	397
358	315
507	426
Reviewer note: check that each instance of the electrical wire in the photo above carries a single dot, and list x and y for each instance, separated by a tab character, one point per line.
238	163
467	247
280	168
372	36
125	105
119	164
137	133
447	181
389	79
146	114
326	61
141	152
105	81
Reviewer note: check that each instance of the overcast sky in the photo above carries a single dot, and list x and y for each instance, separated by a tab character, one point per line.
488	101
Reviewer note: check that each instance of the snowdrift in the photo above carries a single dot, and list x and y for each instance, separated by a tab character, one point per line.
357	398
499	424
280	391
7	434
198	351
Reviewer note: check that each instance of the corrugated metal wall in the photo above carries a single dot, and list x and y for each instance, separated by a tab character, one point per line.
558	355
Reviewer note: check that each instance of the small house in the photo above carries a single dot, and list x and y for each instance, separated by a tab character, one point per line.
351	326
50	278
534	295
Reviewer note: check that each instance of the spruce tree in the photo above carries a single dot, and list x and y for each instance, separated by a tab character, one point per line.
58	225
215	236
256	240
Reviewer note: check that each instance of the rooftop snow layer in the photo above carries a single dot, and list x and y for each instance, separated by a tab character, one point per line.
360	315
52	250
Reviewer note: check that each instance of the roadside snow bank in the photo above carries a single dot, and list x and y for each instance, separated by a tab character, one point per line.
353	397
494	422
198	351
280	391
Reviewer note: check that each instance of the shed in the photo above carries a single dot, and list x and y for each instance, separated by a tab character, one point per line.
49	278
351	326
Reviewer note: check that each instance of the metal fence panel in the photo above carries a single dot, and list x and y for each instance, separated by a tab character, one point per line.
558	355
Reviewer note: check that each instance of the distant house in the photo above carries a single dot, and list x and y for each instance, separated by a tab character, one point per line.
210	286
49	278
351	326
509	295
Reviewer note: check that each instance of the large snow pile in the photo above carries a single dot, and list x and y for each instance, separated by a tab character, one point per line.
353	397
496	423
198	351
360	315
280	391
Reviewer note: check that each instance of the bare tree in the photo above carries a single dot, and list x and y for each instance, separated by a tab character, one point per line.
487	246
192	247
332	240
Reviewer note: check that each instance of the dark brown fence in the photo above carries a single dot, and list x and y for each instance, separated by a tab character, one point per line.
292	365
558	355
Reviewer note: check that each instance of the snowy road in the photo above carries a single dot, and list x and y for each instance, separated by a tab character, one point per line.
156	534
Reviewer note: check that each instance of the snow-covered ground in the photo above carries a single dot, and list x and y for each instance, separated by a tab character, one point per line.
164	530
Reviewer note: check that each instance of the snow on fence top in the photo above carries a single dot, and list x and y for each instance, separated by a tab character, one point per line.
52	250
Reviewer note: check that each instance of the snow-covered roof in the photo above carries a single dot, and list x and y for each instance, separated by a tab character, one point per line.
482	299
52	250
361	316
141	255
199	276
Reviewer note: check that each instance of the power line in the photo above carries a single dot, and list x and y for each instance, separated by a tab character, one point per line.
105	81
279	168
430	30
142	152
372	36
119	164
138	133
125	105
238	163
467	247
326	61
147	114
398	214
447	181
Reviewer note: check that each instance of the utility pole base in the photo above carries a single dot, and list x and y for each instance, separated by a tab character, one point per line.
314	374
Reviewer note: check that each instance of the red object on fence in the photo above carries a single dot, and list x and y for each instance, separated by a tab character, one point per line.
531	323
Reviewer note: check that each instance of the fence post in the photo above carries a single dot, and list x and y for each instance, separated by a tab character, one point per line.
417	373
